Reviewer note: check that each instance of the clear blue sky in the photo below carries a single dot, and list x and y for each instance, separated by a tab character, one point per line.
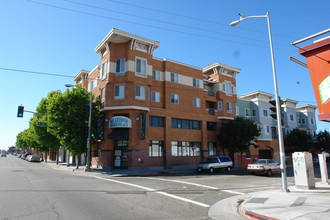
59	37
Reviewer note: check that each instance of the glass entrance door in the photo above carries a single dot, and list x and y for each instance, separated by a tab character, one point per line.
121	154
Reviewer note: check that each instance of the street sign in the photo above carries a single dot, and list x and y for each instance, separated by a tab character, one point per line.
42	124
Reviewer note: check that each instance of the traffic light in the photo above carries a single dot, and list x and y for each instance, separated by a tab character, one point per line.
100	127
20	111
273	109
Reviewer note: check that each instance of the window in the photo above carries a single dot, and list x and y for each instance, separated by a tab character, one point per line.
211	126
185	148
265	112
155	96
174	77
104	70
267	130
156	148
229	107
119	92
102	96
140	92
195	82
254	112
141	67
174	98
92	84
247	112
185	124
212	148
156	75
302	121
312	121
228	88
197	102
219	105
120	67
155	121
291	118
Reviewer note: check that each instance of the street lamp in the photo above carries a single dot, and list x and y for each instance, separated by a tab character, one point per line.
88	146
277	97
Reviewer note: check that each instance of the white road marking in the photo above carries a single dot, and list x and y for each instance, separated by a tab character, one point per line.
184	182
158	192
233	192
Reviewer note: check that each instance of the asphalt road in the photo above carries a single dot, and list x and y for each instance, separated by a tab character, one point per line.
39	191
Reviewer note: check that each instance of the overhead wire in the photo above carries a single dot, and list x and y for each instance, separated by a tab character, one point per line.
153	26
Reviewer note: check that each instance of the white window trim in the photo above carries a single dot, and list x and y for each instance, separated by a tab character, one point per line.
104	70
229	107
142	95
121	71
175	97
141	74
175	77
155	96
197	102
102	94
121	96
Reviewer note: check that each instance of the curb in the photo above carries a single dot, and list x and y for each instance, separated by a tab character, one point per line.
258	216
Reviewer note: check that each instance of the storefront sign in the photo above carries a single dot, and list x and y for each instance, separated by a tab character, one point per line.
120	122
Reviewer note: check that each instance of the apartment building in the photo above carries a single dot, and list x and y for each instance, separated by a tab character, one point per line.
256	106
157	112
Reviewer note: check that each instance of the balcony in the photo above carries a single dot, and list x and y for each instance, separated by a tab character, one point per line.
212	111
211	93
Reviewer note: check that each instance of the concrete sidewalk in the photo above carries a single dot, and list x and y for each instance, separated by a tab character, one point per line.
275	204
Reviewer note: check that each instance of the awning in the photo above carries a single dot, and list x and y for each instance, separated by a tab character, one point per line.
118	133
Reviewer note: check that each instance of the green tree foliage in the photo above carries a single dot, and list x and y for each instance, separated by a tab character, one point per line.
238	135
27	140
68	119
46	139
298	140
323	140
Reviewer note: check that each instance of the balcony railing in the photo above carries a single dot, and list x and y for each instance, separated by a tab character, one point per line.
211	111
211	93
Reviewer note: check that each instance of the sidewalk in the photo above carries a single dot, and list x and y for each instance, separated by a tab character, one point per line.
275	204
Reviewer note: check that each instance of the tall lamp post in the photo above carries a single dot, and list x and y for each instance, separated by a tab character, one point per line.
277	97
88	146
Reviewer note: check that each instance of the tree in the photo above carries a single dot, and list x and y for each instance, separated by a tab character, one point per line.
298	140
68	119
238	135
45	138
27	140
323	140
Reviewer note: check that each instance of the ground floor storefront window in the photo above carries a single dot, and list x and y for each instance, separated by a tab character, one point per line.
156	148
186	148
212	148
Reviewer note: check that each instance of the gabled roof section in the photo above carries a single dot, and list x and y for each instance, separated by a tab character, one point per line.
218	65
255	94
118	36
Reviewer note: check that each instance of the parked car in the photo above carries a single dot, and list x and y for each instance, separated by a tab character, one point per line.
3	155
27	158
215	163
34	158
264	166
25	155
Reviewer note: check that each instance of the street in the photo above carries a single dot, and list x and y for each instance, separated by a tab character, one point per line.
39	191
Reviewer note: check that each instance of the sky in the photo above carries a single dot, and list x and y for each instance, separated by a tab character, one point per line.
45	43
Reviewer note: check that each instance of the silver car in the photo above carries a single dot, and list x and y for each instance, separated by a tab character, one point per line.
215	163
264	166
